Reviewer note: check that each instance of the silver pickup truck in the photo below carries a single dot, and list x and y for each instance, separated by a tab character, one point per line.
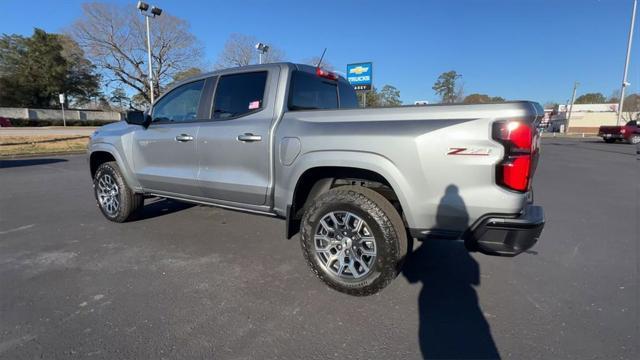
290	141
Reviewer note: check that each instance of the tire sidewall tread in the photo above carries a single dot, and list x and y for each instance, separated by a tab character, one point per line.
382	217
130	201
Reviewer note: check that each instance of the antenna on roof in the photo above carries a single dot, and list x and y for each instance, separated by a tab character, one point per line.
321	57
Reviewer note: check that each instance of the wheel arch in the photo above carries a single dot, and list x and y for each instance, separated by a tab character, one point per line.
317	177
102	152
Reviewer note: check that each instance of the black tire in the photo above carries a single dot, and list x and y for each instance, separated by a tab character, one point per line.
129	202
386	227
608	141
635	139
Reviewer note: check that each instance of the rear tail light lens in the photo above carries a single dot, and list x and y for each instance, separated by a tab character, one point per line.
519	139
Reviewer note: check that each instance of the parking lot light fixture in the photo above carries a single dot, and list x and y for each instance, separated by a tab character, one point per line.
155	11
262	49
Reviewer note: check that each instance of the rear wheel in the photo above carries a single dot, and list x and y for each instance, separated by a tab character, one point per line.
353	239
115	199
635	139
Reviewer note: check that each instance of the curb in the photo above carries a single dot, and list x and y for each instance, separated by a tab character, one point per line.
26	156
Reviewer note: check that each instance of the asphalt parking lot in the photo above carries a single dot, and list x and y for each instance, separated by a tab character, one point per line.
198	282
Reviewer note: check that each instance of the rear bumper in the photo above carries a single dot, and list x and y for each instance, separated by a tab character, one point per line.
611	136
504	236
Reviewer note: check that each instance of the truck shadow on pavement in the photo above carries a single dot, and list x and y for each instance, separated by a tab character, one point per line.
11	163
452	325
160	207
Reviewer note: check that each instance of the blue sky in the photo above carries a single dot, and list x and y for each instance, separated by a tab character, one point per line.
517	49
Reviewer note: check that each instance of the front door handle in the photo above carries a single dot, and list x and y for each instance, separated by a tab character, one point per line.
184	138
248	137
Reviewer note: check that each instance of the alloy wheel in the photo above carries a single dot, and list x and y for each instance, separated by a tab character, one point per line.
108	194
345	245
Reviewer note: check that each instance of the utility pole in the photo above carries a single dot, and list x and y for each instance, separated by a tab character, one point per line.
573	100
625	83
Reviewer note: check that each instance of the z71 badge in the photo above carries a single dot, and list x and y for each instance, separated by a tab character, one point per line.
469	151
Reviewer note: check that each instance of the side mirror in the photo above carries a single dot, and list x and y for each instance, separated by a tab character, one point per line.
136	117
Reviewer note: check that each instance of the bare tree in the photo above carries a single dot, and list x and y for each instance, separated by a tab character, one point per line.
313	61
631	108
114	38
239	50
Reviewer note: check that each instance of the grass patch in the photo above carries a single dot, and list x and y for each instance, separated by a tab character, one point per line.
42	144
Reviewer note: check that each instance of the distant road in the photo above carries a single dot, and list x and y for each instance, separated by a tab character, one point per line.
49	130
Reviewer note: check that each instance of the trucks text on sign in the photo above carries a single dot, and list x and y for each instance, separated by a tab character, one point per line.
360	75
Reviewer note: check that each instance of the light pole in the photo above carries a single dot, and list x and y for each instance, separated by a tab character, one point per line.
625	83
262	49
573	100
155	11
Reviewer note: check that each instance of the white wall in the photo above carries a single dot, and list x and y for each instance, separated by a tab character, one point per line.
52	114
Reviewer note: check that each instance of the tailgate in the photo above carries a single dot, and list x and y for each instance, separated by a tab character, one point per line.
609	130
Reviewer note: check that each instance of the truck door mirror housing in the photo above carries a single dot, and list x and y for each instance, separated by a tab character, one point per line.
137	117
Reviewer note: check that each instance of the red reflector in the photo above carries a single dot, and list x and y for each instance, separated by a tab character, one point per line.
515	172
326	74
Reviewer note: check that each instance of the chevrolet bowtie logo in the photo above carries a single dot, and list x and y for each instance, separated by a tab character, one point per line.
358	70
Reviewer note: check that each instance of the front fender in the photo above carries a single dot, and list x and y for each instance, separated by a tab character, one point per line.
125	167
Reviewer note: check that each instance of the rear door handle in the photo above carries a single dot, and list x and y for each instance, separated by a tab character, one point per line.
184	138
248	137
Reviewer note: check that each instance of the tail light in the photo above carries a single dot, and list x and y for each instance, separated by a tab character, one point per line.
519	139
326	74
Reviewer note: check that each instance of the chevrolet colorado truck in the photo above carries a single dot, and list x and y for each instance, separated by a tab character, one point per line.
630	133
290	141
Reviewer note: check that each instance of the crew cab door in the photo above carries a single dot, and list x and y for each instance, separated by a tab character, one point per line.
233	146
164	154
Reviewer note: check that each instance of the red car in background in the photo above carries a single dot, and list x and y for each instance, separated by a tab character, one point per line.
630	133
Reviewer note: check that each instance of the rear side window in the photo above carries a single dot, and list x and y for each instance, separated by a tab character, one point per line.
348	97
311	92
239	94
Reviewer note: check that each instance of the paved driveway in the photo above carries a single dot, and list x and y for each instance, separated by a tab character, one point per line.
198	282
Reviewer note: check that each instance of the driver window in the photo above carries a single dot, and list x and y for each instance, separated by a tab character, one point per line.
180	105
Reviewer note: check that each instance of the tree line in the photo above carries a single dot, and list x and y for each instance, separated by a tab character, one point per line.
100	62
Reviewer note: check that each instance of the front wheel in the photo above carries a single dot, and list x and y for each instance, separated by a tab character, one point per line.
353	239
116	200
608	140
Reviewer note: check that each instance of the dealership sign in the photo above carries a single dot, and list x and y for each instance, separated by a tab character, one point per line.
360	75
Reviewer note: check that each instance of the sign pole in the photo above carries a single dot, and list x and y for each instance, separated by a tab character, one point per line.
64	120
364	99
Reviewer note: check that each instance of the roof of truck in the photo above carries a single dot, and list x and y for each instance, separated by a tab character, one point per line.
247	68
